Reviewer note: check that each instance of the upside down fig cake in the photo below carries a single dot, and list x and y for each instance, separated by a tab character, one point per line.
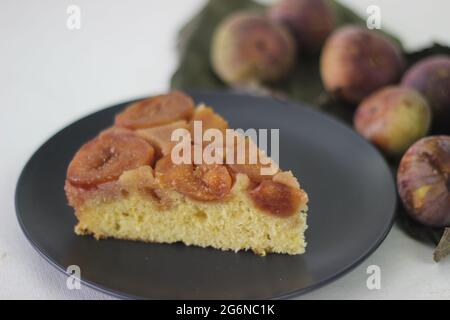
125	184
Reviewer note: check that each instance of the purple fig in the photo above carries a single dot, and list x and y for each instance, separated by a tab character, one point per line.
431	77
393	118
249	49
356	61
423	181
311	21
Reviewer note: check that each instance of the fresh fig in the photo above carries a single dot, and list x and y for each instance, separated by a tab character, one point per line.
423	181
356	61
311	21
249	49
393	118
431	77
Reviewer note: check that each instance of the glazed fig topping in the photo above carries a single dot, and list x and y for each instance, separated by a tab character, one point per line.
106	157
209	119
277	198
202	182
142	134
156	111
160	137
252	168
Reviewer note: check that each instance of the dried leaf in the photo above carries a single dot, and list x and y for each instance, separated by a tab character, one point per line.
443	248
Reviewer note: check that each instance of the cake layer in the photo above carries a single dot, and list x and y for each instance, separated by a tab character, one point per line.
230	224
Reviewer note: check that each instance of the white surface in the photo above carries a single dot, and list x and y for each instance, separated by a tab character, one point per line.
50	76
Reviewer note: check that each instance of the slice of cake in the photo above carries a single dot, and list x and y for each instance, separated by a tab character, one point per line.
125	184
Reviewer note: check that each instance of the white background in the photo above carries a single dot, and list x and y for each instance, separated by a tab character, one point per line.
50	76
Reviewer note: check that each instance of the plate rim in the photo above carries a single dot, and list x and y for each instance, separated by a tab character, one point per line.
295	293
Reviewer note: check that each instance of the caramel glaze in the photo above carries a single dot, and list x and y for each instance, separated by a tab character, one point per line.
279	197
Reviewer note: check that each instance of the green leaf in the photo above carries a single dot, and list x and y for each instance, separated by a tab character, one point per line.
436	48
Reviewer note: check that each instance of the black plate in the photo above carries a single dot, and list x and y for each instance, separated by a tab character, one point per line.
352	205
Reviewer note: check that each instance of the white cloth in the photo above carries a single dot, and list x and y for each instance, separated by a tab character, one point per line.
50	76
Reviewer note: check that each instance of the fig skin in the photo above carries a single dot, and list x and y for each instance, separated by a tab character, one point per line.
311	21
423	181
393	118
431	77
355	62
249	49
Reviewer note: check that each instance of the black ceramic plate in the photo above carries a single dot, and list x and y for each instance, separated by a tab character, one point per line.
351	209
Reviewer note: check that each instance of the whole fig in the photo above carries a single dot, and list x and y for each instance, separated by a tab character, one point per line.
423	181
357	61
249	49
431	77
311	21
393	118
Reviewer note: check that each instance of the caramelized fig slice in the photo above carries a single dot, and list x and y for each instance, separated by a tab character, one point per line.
209	119
277	198
156	111
116	130
106	157
160	137
248	159
203	182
